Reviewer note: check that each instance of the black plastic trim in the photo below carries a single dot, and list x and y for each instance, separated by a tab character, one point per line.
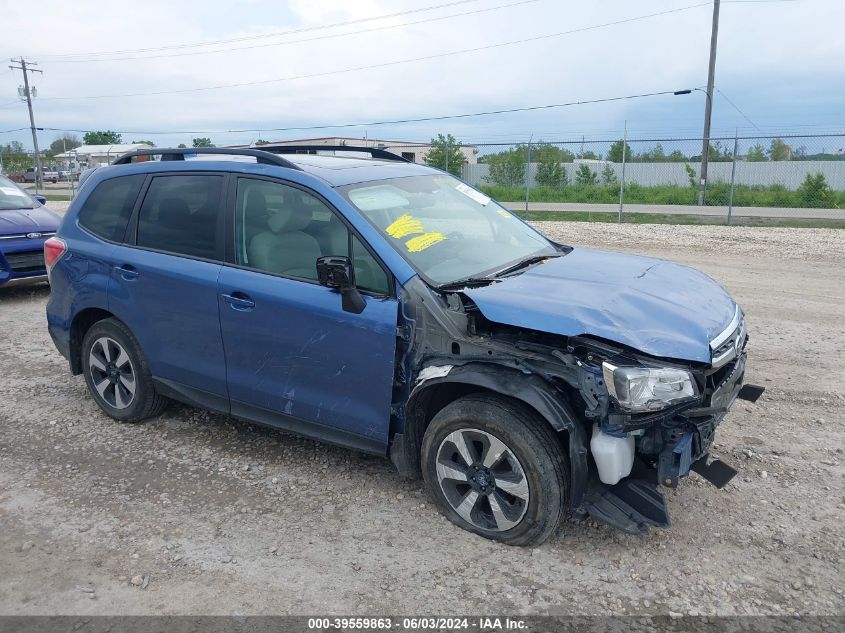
178	153
312	430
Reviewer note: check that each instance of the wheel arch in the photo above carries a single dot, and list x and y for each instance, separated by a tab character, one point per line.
430	396
80	325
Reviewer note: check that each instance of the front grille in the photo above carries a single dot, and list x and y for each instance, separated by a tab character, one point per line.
728	345
25	262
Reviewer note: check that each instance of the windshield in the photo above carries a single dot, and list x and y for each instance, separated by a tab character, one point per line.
447	230
12	197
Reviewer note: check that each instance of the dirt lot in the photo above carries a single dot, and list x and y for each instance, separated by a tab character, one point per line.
214	516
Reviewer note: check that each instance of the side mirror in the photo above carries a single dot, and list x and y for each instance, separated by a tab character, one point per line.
336	271
41	199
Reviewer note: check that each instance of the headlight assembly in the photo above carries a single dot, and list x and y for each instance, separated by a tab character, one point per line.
638	389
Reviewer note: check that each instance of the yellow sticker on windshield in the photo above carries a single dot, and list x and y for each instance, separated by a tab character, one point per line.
503	213
405	225
417	244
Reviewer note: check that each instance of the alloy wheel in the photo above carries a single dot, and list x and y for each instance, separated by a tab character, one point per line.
112	372
482	479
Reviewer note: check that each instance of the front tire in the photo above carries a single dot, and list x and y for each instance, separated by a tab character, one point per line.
496	469
117	374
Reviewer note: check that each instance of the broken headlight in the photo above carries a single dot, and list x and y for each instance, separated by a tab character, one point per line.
638	389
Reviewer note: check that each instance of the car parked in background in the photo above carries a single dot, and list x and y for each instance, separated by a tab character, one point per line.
25	224
391	308
47	175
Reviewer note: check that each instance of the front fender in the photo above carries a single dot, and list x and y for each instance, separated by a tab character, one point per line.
529	388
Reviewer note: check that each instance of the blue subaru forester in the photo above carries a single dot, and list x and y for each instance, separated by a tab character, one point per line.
388	307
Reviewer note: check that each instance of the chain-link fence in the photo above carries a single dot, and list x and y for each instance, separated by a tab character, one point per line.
763	177
773	176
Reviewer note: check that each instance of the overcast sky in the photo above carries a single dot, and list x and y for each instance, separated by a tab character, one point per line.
780	63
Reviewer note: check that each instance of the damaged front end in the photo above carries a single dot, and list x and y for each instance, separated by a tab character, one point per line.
654	422
632	422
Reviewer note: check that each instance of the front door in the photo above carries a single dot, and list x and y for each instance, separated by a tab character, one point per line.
294	358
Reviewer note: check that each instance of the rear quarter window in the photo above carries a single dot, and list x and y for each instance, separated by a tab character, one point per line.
106	211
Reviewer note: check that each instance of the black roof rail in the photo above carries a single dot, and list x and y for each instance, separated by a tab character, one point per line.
374	152
178	153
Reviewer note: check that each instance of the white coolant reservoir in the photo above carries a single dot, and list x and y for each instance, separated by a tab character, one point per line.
614	455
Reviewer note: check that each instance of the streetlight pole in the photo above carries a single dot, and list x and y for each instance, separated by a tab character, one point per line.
705	152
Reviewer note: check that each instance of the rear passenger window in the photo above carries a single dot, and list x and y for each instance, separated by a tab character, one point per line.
180	215
107	210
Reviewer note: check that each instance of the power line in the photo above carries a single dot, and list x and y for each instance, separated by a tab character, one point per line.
390	122
300	41
264	35
735	107
385	64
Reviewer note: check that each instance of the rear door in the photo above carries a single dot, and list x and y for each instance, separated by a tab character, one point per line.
164	284
294	358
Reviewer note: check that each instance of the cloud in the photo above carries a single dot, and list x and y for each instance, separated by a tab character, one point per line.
764	54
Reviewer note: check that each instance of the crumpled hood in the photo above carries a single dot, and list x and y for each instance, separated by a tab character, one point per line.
40	219
652	305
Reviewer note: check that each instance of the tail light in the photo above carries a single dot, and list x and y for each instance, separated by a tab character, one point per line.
54	248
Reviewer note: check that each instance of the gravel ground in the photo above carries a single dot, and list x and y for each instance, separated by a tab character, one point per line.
195	513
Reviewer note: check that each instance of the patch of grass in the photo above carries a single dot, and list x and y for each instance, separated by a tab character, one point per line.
717	195
57	197
667	218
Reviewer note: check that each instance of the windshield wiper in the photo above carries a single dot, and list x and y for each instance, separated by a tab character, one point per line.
465	283
524	264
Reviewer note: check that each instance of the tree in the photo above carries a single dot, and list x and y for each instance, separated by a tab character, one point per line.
203	141
677	156
608	175
508	168
588	155
150	143
181	146
15	159
815	192
550	172
261	141
102	138
586	176
63	143
614	154
691	174
778	150
717	153
446	154
756	154
653	155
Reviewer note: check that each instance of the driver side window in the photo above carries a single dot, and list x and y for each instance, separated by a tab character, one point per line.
271	229
282	230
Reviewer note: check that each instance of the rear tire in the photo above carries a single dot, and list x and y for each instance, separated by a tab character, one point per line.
496	469
117	374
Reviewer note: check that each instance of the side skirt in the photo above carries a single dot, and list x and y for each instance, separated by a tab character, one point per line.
265	417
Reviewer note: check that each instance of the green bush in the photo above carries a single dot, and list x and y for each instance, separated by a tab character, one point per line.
815	192
811	193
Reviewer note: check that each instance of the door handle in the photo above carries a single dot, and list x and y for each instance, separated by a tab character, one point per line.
239	301
127	271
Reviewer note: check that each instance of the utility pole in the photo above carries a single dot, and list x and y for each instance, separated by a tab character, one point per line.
708	107
39	175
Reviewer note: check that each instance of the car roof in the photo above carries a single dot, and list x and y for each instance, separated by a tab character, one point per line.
345	170
336	171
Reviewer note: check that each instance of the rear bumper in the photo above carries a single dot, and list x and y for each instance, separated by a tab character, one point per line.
61	339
